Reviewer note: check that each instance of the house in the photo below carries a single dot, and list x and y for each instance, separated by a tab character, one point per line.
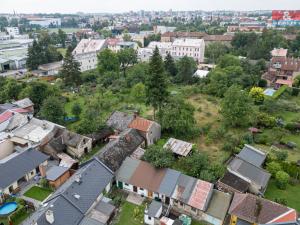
144	54
57	175
25	104
12	31
153	212
200	73
249	209
163	29
158	184
170	36
79	201
74	144
247	165
86	53
256	176
231	183
48	70
178	147
115	152
217	208
163	47
282	69
126	44
148	129
193	48
45	22
224	39
20	167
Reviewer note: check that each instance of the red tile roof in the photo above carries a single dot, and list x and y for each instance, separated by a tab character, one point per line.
285	82
200	195
258	210
5	116
141	124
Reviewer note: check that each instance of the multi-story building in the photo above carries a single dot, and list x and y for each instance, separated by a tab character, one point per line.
12	31
193	48
86	53
45	22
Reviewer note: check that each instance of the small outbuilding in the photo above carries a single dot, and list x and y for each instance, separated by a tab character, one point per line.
178	147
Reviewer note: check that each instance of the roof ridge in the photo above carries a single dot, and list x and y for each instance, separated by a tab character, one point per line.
282	215
106	167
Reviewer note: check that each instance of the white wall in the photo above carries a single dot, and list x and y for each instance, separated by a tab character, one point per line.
88	61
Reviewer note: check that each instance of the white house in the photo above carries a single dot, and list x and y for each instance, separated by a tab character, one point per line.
12	31
45	22
153	212
86	53
189	47
163	47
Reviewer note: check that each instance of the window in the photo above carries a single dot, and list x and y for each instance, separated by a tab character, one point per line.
149	218
126	184
32	173
141	189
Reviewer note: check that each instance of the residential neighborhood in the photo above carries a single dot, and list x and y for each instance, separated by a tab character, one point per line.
149	113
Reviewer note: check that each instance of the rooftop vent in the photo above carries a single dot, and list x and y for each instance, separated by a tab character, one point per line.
76	196
50	216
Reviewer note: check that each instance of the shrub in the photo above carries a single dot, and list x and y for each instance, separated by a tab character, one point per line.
261	139
273	168
21	210
281	155
282	179
281	201
280	91
264	120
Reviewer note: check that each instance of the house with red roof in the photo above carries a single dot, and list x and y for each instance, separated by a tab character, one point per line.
248	209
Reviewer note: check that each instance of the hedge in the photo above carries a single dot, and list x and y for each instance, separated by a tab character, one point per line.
280	91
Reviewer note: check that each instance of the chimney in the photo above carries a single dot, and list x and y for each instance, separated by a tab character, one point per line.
135	114
42	170
50	216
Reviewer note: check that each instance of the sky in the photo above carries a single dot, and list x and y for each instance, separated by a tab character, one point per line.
99	6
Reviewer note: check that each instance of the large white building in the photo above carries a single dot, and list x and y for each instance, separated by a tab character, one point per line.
86	53
45	22
12	31
189	47
164	48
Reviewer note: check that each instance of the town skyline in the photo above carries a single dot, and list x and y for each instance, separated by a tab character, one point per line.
117	6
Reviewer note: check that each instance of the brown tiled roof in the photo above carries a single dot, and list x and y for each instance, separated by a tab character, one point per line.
256	210
201	195
140	124
184	34
148	177
218	38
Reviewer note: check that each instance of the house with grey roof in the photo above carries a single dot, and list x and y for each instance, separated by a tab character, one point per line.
252	155
57	175
20	167
119	121
153	212
79	201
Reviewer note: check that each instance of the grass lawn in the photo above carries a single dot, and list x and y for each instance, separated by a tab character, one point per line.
291	194
38	193
126	216
93	152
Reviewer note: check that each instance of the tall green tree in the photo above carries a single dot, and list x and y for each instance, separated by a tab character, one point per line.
156	83
237	107
186	69
71	69
127	57
108	61
53	110
215	50
62	36
170	65
159	157
35	56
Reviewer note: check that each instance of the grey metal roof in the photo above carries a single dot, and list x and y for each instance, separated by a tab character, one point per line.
64	213
179	147
16	167
55	172
87	184
169	182
119	120
248	170
90	221
219	204
24	103
105	208
252	155
154	207
127	169
184	188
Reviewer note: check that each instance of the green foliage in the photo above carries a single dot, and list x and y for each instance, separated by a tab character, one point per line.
108	61
215	50
9	89
177	118
281	155
152	37
236	107
70	71
265	120
170	65
279	92
281	201
138	92
273	168
257	94
159	157
228	60
137	74
76	109
127	57
186	67
156	83
282	179
53	110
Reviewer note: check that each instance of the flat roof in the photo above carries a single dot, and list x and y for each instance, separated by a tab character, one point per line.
55	172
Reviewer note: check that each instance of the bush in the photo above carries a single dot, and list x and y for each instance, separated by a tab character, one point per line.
21	210
264	120
261	139
293	127
280	91
281	155
262	83
281	201
282	179
273	168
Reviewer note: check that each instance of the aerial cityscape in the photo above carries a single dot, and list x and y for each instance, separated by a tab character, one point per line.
149	113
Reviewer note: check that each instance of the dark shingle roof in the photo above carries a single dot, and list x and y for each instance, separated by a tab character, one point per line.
252	155
15	168
55	172
235	182
115	152
119	120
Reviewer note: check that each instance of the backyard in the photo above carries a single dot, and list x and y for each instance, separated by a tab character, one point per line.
129	217
38	193
291	194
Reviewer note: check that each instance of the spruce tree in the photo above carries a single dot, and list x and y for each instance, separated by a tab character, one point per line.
156	83
71	69
170	66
